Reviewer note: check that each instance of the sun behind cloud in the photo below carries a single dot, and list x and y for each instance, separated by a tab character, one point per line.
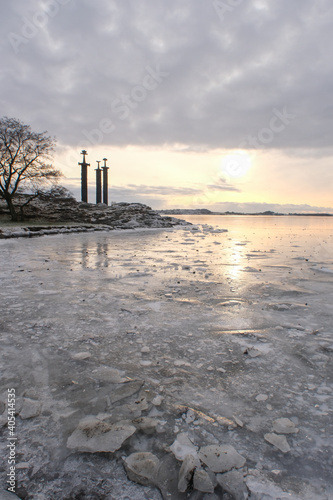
236	164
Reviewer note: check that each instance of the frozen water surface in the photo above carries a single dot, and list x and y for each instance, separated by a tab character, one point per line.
213	334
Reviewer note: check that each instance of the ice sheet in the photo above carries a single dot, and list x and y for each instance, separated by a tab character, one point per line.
235	325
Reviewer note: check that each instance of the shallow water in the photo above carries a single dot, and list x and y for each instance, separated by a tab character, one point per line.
231	324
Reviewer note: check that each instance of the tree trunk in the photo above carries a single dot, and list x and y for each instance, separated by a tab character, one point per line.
22	213
11	207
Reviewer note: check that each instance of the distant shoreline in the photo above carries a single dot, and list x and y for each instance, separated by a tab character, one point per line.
268	213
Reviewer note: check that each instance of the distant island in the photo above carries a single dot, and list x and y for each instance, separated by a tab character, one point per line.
205	211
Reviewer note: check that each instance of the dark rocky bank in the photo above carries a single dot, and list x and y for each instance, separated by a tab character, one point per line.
58	215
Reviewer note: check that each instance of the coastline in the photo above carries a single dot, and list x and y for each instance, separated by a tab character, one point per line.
46	230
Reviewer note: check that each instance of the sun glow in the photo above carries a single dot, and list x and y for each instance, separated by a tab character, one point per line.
237	164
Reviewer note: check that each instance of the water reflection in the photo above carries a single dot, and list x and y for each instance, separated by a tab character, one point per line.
84	255
102	250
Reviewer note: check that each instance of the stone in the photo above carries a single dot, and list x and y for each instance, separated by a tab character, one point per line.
202	481
80	356
146	362
157	401
93	435
221	458
30	408
262	397
233	483
284	426
2	407
22	465
186	472
126	391
189	416
142	468
278	441
183	446
181	362
238	421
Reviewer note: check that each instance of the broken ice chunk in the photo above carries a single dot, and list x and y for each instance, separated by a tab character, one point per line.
93	435
278	441
142	468
221	458
183	446
284	426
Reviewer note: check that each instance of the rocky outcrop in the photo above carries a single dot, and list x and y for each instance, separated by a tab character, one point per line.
69	211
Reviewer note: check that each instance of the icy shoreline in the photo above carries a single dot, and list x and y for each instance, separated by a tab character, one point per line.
140	349
46	230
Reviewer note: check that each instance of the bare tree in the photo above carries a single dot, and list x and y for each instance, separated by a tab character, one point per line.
24	161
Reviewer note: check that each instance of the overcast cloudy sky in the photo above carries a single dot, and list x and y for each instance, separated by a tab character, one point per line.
224	104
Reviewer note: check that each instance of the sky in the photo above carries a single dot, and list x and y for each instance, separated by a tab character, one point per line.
218	104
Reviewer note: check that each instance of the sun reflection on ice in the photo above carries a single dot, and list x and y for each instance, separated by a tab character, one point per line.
235	258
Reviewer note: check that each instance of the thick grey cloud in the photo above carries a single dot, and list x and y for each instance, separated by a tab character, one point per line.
159	72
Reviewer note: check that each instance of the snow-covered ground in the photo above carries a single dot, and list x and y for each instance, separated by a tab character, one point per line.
213	335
